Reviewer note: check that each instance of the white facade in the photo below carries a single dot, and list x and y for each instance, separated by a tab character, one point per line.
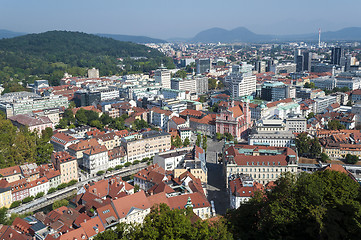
95	162
296	124
274	139
109	94
135	215
171	159
39	185
163	76
187	84
322	103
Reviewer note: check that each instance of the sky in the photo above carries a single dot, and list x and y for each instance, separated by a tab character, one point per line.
178	19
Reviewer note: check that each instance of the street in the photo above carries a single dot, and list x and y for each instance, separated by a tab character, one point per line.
216	188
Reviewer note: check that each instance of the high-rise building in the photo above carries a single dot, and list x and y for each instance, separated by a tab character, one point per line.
260	66
307	58
299	63
303	60
201	84
203	65
241	81
336	55
162	76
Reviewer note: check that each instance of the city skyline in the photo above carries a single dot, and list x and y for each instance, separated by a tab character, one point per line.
165	19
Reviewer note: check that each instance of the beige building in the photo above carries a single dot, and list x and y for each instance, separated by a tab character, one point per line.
109	140
66	164
11	174
263	163
77	149
149	144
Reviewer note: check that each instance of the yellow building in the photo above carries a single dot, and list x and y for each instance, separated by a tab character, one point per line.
5	197
67	165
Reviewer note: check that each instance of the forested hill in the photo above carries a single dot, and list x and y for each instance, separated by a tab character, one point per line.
48	55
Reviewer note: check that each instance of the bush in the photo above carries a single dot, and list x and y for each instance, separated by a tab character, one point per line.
28	199
15	204
351	159
118	167
127	164
110	169
60	203
62	186
145	159
72	182
52	190
100	173
136	162
39	195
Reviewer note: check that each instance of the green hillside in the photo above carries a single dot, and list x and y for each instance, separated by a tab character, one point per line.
48	55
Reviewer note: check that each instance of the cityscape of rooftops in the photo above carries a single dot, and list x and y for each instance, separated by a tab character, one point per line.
180	120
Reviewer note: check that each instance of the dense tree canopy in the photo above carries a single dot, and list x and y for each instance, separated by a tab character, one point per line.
19	146
164	223
322	205
48	55
307	146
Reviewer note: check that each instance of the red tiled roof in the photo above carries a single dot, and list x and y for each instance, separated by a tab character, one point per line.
95	150
93	227
178	120
125	204
191	112
84	144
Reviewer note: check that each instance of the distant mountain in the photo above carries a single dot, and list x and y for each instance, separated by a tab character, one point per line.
9	34
129	38
242	34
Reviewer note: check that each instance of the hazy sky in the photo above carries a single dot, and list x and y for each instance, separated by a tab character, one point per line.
182	18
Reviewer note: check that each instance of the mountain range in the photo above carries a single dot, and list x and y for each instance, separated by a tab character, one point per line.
240	34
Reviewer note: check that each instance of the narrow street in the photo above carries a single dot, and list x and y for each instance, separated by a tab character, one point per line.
217	191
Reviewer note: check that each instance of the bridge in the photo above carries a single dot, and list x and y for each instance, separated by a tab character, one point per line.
69	191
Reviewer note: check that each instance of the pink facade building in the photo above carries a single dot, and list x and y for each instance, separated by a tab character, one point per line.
236	120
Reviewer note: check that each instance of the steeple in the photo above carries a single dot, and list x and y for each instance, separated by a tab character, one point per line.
189	203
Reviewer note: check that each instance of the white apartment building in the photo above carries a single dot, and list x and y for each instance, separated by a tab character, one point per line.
162	76
95	159
171	159
146	145
108	94
187	84
39	185
296	124
240	81
322	103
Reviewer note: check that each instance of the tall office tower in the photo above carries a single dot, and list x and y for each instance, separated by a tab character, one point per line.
336	55
260	66
302	60
241	81
203	65
270	63
307	58
162	76
296	54
299	63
